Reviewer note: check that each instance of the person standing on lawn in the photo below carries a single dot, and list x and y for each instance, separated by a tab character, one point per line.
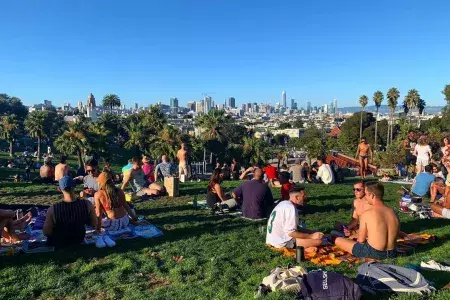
183	166
254	196
65	221
362	154
378	230
423	153
282	226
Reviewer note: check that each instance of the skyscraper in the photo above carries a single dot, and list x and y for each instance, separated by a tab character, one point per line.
335	107
191	105
231	102
308	107
199	106
283	98
207	104
174	102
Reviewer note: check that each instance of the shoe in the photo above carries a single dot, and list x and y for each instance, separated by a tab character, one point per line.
100	243
109	241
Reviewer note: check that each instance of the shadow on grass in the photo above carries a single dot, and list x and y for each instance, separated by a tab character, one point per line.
331	197
312	209
417	225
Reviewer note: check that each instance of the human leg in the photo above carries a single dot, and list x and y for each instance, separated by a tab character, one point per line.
361	166
306	243
366	166
156	187
6	225
22	222
345	244
147	191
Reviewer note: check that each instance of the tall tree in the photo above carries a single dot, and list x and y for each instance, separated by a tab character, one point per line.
111	101
212	124
363	100
392	97
446	93
420	107
411	101
36	124
378	98
9	127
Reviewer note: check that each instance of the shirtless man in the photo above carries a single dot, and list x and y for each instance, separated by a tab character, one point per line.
362	153
441	208
182	155
360	205
61	169
378	229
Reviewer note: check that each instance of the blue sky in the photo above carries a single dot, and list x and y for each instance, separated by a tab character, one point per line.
149	51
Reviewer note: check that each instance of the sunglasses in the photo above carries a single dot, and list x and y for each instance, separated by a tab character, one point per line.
89	171
357	190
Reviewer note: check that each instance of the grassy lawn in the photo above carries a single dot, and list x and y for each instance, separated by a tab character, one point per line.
223	257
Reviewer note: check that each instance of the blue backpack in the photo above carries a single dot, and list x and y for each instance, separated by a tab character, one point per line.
321	285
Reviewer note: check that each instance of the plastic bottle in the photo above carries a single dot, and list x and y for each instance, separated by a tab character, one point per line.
195	202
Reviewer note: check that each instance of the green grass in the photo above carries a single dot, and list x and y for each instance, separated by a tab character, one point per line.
224	257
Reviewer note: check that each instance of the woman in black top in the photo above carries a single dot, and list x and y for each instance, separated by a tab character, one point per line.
215	193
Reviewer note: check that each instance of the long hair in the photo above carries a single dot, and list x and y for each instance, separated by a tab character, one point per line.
112	195
215	179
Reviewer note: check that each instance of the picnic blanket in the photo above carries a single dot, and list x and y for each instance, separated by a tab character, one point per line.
332	255
201	204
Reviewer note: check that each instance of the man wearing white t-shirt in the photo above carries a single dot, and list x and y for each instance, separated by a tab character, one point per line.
282	227
324	174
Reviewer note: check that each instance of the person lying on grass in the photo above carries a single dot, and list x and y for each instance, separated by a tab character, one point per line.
282	227
136	178
111	201
215	194
8	225
378	230
360	205
65	220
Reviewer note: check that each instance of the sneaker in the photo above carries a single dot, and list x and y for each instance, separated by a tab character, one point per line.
100	243
109	241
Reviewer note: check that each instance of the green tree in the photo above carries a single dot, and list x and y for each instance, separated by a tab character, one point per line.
136	137
212	124
411	101
363	100
284	125
167	142
421	107
298	123
255	151
111	101
37	125
392	97
349	137
73	140
378	98
446	93
9	129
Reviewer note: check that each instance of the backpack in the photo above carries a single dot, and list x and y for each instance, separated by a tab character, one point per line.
285	279
318	285
378	277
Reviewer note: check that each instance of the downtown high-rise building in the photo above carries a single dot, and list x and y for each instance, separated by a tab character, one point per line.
231	102
283	99
335	106
199	106
191	106
207	104
174	102
308	107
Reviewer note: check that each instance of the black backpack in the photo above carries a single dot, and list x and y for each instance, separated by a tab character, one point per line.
318	285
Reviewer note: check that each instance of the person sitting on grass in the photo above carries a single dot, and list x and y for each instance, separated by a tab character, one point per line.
324	172
422	183
110	200
90	181
254	196
378	230
360	205
46	173
286	185
65	221
440	186
148	168
8	225
62	169
139	184
282	226
272	174
215	194
163	169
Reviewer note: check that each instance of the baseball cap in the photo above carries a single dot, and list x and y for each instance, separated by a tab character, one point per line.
66	182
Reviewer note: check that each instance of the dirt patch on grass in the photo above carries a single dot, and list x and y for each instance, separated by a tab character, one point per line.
155	282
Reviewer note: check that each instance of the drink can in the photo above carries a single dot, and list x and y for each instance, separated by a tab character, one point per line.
300	254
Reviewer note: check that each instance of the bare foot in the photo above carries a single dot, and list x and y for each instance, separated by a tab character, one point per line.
22	222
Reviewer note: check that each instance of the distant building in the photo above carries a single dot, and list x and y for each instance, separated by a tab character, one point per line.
308	107
231	102
291	132
47	103
325	108
199	106
335	106
91	101
335	132
136	106
191	106
207	104
174	102
283	99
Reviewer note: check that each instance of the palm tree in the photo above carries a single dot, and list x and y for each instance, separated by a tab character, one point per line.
36	125
212	124
72	140
392	96
136	137
378	98
111	101
167	142
9	127
411	101
421	107
363	100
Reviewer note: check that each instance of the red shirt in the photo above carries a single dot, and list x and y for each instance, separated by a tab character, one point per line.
271	172
285	188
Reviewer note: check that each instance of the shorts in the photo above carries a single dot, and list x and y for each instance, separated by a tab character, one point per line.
115	224
446	213
364	156
422	162
367	251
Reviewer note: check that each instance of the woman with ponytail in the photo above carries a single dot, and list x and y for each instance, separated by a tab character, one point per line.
110	201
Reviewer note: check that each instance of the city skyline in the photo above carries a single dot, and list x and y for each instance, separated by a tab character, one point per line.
149	51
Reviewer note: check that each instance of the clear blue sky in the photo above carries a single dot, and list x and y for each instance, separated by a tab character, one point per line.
149	51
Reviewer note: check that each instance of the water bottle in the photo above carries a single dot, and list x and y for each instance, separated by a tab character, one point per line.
194	203
300	254
302	224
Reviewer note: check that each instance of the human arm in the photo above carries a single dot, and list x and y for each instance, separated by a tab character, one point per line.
319	173
156	172
219	192
370	153
362	234
237	193
49	222
246	172
357	152
126	179
92	216
98	211
430	153
130	212
301	235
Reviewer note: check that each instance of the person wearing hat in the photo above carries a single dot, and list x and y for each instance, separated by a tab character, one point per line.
148	168
423	153
65	221
110	200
